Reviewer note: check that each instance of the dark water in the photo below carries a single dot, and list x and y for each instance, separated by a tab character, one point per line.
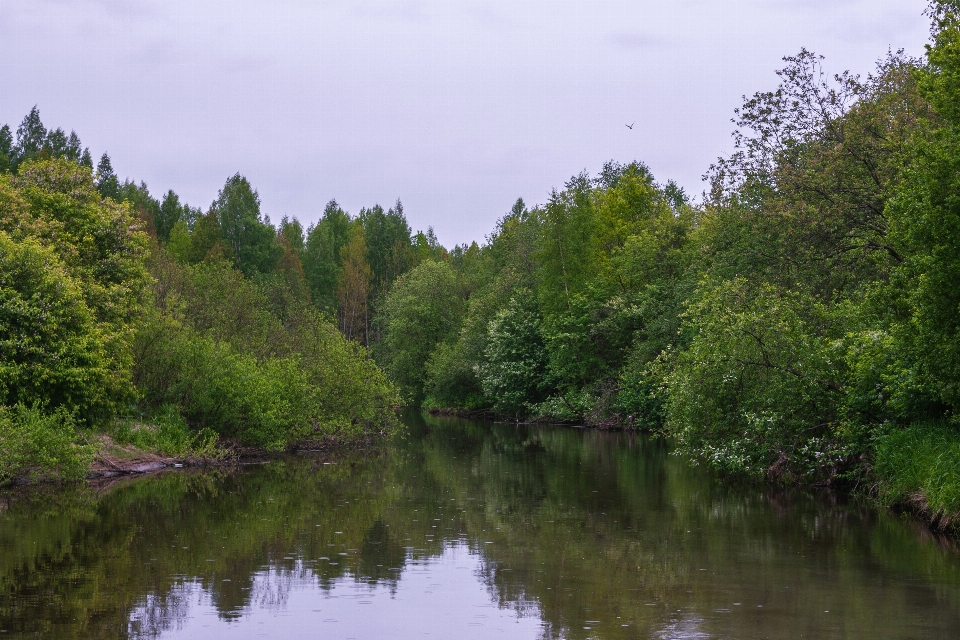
468	530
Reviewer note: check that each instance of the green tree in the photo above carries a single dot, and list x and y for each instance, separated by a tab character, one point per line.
6	148
102	250
250	237
421	311
924	377
514	371
353	289
52	351
31	135
389	250
322	260
170	212
107	182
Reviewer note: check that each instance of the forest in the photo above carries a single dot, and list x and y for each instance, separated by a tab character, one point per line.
800	322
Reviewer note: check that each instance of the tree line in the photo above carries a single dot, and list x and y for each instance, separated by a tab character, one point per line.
156	324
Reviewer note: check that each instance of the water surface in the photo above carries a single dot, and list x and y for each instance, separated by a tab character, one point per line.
468	530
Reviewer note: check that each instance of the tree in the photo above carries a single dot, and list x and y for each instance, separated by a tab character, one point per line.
322	260
923	298
143	205
170	213
31	135
52	352
251	239
388	244
100	248
353	290
421	311
816	161
564	248
6	148
207	240
107	182
514	371
290	266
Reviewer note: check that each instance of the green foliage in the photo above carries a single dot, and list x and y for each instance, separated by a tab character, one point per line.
169	213
245	232
6	148
387	236
39	443
923	298
214	345
167	433
918	466
421	311
451	380
75	269
322	260
108	184
759	391
51	349
514	371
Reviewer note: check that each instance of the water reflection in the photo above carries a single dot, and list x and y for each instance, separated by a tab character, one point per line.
468	529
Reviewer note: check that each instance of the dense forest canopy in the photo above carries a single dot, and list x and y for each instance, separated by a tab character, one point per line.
799	322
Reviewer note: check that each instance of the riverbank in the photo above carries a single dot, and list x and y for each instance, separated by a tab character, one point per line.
917	469
43	448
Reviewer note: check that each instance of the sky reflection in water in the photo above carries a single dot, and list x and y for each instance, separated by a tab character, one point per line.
468	530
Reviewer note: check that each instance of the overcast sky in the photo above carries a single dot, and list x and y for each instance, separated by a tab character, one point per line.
455	107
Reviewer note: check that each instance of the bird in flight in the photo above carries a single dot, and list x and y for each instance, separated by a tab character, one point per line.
630	126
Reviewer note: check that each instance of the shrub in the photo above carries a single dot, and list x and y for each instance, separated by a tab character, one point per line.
86	304
514	372
212	345
167	433
36	443
760	389
52	350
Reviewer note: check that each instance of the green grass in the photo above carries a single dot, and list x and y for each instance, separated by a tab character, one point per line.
168	434
919	467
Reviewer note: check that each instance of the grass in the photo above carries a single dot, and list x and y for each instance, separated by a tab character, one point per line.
166	433
918	467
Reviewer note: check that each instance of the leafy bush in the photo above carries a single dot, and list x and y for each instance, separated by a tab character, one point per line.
514	372
213	345
52	351
78	277
37	443
451	380
420	311
760	389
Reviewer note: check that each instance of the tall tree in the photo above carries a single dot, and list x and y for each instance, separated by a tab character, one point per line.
322	263
31	134
353	289
250	237
107	182
420	311
170	213
6	148
388	244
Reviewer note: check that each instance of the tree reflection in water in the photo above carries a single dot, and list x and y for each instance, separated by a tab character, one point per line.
567	533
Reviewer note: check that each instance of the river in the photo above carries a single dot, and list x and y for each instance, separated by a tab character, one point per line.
462	529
